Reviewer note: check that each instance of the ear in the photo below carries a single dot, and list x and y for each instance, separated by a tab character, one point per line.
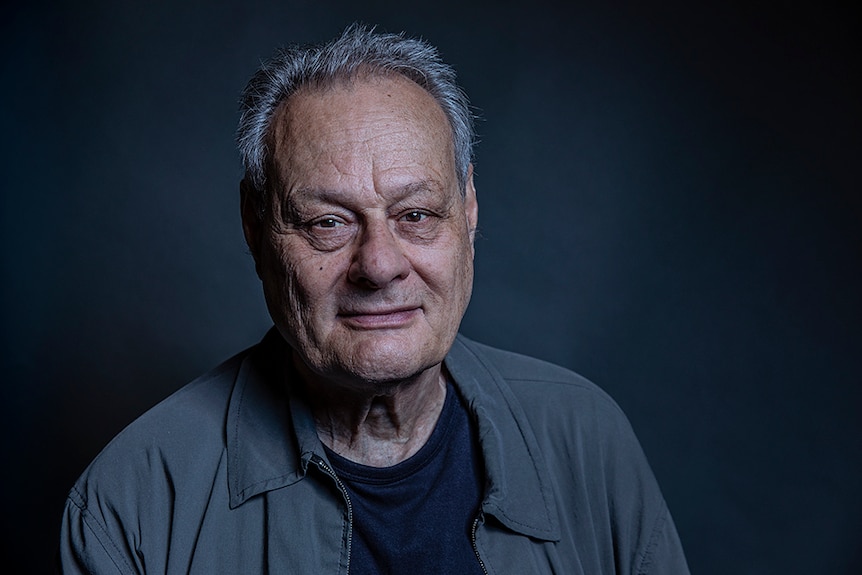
249	204
471	207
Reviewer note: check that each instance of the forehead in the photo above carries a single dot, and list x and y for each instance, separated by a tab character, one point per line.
372	129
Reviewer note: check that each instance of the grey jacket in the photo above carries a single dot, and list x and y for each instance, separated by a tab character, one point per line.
228	476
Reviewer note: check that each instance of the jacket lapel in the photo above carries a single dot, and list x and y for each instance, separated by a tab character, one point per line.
263	443
518	492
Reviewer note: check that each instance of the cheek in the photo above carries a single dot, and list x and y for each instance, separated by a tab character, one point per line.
465	279
447	271
303	282
465	270
281	279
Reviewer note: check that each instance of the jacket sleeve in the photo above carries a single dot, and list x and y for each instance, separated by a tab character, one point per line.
643	528
664	553
86	547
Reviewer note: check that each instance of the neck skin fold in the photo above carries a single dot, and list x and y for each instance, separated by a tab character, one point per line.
378	425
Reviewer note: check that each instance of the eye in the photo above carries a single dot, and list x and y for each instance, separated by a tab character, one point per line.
328	232
327	222
414	216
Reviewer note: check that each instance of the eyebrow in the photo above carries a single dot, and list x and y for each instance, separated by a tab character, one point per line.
411	188
396	194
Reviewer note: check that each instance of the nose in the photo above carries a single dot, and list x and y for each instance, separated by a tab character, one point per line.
378	259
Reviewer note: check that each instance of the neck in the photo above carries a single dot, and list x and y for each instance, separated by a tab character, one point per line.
377	425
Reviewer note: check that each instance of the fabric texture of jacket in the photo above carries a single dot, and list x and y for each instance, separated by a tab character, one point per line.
228	475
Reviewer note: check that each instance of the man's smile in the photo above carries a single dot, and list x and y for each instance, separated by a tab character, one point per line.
381	318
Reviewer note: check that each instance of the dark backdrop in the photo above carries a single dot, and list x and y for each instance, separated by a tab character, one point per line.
669	204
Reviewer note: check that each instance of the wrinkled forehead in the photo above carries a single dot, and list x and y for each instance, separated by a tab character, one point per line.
400	90
384	119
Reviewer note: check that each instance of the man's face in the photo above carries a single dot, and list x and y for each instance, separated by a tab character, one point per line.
366	250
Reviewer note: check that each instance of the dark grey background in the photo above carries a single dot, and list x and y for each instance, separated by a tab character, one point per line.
669	204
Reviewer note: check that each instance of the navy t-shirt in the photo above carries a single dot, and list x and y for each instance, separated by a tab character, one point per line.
417	516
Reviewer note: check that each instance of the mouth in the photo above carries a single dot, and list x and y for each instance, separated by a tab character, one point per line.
379	318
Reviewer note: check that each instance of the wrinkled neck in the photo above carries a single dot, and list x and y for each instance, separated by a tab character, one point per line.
381	425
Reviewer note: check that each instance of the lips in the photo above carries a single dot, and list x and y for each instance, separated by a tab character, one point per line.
388	318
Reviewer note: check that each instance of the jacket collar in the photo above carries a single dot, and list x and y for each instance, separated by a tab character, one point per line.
271	435
267	433
518	491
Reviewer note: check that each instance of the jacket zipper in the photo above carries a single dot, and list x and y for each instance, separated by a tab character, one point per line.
321	464
475	548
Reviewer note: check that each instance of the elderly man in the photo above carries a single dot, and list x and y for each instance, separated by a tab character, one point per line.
363	434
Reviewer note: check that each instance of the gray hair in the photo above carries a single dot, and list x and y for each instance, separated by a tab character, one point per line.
359	50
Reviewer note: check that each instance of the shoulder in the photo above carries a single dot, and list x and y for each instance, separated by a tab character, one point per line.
194	414
165	460
565	412
179	437
541	385
582	444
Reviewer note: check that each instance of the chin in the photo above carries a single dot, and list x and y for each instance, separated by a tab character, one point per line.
384	360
